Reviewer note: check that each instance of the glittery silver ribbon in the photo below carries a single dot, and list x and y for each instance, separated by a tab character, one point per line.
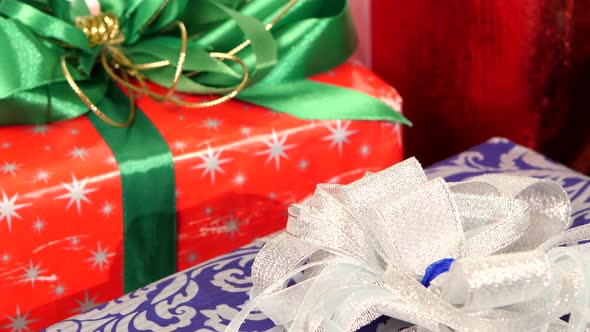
353	253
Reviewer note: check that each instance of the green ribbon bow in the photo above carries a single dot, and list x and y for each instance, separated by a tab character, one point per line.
312	37
36	35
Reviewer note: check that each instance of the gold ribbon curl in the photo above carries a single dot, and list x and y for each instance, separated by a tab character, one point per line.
104	30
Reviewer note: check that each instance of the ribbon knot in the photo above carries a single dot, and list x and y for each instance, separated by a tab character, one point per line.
104	30
100	29
358	252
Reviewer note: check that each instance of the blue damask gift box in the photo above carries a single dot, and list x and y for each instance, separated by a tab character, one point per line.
209	296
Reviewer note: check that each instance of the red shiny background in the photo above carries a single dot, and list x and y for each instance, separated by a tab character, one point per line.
473	69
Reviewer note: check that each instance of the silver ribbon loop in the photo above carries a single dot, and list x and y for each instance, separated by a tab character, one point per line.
353	253
482	283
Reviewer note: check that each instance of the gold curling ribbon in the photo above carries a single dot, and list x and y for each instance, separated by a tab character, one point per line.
104	30
100	29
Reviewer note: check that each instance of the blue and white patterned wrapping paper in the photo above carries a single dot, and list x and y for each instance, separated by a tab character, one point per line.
206	297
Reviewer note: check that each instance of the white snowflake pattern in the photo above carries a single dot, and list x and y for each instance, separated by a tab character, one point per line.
365	150
77	192
87	303
75	241
9	208
38	225
59	290
5	257
239	179
32	272
40	130
100	257
19	323
212	124
232	226
246	131
340	135
111	160
303	164
10	168
79	153
192	257
107	209
6	145
211	163
42	176
276	149
179	145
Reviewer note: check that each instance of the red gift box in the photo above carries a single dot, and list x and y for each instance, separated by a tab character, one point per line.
238	166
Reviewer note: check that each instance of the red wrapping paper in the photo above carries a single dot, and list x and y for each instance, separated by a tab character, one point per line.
60	193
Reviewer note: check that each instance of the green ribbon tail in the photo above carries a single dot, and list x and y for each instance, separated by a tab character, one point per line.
148	185
312	100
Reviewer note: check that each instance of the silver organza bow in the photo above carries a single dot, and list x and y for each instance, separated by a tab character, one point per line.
353	253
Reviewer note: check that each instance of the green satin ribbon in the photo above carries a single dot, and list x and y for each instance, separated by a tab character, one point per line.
313	37
149	193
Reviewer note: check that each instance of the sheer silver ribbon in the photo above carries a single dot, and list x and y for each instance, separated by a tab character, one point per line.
353	253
